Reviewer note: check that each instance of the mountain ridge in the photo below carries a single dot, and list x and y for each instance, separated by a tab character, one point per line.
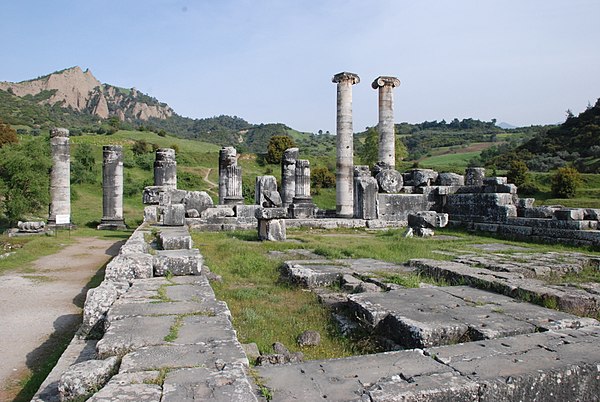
82	92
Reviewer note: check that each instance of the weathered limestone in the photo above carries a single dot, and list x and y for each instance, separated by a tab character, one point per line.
85	378
344	166
271	223
302	206
474	176
387	137
112	188
288	176
174	215
365	193
31	227
390	181
265	192
60	178
230	178
165	168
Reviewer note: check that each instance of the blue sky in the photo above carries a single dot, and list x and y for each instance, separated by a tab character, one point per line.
519	61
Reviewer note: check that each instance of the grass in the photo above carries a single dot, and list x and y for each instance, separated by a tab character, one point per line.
266	311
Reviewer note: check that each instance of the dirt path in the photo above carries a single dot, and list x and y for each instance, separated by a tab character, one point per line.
37	308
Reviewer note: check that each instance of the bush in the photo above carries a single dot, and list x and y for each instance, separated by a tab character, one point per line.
7	135
529	188
565	182
322	177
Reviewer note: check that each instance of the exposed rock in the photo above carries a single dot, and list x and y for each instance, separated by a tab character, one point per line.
450	179
191	213
309	338
251	350
198	200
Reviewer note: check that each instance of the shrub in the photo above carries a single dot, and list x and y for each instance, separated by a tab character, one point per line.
565	182
322	177
518	173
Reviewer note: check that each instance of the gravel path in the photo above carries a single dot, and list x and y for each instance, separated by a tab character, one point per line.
48	301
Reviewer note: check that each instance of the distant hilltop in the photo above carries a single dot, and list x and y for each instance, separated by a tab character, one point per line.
80	91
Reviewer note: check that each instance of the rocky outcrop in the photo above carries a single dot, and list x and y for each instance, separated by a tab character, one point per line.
79	90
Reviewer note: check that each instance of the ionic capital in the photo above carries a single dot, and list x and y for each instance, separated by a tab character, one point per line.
345	76
383	81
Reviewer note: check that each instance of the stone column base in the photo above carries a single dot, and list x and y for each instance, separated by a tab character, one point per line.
106	224
233	201
302	209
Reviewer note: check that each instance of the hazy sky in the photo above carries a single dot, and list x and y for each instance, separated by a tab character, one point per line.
519	61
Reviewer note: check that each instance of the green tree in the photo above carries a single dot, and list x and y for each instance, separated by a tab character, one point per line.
565	182
518	173
83	168
24	178
369	151
277	145
7	134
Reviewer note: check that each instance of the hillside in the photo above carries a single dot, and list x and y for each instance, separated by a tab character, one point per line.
576	142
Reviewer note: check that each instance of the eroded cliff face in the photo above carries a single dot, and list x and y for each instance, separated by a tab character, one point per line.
81	91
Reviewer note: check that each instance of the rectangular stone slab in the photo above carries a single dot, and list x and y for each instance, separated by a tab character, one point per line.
344	379
182	356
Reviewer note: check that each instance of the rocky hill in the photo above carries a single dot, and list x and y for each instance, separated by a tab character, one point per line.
80	91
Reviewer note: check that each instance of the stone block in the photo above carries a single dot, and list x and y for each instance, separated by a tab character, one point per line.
569	214
198	200
427	219
546	211
178	262
270	213
494	181
365	197
151	214
97	302
396	207
525	202
174	239
220	211
83	379
423	177
150	195
272	229
474	176
245	213
450	179
264	190
136	391
174	215
304	210
126	267
592	214
192	213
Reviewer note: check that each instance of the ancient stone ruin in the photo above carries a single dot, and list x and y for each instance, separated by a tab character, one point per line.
487	336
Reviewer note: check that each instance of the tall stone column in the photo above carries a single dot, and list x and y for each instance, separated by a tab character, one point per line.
165	168
345	150
387	137
60	178
288	176
112	188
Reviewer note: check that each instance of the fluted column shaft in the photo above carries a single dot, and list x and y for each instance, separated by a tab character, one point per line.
288	176
165	168
302	179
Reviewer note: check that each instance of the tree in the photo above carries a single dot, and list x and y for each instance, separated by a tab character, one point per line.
83	168
369	151
140	147
277	145
24	178
518	173
7	134
565	182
